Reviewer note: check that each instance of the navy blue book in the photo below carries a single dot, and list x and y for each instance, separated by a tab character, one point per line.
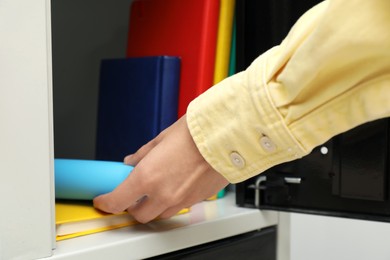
138	98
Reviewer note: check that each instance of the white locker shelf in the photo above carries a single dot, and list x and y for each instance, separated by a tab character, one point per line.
207	221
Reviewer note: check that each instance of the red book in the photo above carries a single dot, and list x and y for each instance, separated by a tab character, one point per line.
184	28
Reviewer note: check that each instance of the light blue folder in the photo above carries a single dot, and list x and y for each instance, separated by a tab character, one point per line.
86	179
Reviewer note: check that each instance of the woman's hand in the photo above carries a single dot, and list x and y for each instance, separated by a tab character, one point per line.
169	174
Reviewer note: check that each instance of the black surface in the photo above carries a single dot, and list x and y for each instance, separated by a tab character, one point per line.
264	24
253	245
351	180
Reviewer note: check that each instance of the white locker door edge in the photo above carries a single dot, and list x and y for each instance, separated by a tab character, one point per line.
26	153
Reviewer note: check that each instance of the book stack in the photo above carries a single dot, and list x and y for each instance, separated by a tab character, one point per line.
80	218
137	101
176	50
77	182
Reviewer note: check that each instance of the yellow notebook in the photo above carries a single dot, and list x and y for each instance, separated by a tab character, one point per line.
79	218
224	39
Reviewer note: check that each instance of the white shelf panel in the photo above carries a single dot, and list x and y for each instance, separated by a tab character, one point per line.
208	221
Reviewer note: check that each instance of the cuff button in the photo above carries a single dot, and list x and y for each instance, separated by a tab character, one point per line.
237	160
267	144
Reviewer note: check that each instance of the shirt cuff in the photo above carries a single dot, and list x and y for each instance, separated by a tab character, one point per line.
238	129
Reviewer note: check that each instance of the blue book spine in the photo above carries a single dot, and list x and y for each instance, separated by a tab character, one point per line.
138	99
169	97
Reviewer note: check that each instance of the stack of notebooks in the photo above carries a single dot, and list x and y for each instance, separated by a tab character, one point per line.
79	218
75	218
176	50
77	182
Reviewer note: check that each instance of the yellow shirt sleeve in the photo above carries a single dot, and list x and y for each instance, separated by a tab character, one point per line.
330	74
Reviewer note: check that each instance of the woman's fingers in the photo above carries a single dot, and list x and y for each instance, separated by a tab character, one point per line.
126	195
169	174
